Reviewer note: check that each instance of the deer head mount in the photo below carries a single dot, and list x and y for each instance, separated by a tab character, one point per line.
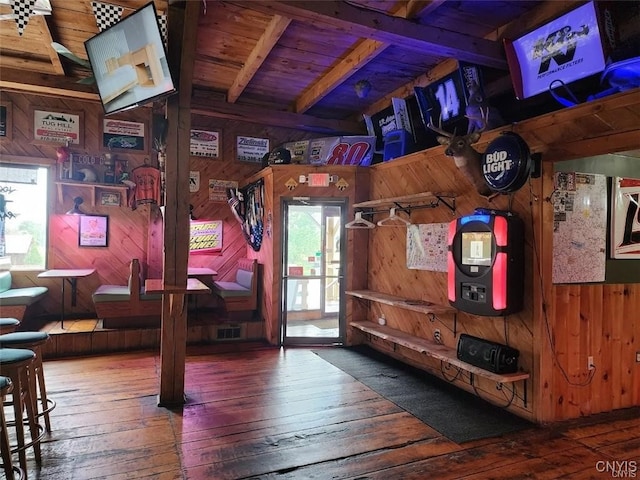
467	159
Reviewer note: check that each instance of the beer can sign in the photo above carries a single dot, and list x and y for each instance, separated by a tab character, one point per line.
506	163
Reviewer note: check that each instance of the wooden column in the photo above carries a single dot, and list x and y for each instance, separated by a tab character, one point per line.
183	20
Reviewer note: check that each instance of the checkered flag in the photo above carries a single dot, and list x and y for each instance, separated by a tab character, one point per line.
22	12
162	23
106	14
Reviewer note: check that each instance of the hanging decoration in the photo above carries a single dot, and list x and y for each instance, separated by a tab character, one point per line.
106	14
247	205
22	10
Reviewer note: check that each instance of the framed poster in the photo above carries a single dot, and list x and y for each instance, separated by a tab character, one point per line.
93	231
110	199
251	149
57	127
218	189
124	136
6	127
205	237
625	218
205	143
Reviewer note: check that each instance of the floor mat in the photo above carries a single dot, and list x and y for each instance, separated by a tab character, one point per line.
455	413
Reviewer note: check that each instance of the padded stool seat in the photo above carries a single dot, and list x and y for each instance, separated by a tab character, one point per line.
8	325
15	364
33	341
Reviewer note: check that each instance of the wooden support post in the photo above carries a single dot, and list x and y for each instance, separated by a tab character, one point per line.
183	21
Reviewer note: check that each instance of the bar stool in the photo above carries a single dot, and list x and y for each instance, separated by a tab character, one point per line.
33	341
16	363
8	325
11	472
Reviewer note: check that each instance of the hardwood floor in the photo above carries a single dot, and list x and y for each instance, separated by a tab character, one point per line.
261	412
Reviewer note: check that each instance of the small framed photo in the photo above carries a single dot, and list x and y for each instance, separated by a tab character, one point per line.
93	231
6	127
110	199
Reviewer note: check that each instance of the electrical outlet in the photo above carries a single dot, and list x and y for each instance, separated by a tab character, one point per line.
638	357
590	364
436	335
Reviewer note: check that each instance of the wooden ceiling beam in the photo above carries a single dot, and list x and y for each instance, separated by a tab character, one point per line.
258	55
361	22
544	13
43	84
221	109
364	52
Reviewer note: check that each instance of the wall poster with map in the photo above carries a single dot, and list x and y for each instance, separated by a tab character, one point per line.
579	227
427	247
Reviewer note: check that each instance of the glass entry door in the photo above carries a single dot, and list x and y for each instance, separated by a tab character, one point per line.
312	271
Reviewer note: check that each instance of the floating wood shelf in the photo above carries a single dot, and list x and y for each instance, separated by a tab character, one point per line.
406	202
408	304
435	350
94	188
422	306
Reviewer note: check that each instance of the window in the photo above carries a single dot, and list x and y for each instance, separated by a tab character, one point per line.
23	216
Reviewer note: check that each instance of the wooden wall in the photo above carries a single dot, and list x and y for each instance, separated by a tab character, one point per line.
270	255
132	233
560	325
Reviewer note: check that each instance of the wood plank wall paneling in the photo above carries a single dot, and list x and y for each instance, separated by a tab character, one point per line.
270	255
388	270
560	325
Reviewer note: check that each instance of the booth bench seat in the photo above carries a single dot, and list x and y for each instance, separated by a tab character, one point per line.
125	306
240	293
14	301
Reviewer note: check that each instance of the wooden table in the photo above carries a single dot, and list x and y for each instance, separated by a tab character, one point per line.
70	275
199	272
194	286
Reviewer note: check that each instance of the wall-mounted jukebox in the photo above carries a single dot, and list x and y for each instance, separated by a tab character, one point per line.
486	263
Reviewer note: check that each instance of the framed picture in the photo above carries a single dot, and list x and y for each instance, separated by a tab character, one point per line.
124	136
57	127
93	231
205	143
110	199
6	127
251	149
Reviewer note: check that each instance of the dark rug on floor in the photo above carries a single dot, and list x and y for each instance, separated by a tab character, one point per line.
455	413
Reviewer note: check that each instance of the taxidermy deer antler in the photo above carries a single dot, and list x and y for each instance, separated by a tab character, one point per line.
467	159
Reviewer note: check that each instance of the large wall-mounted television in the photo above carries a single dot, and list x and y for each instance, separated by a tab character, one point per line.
129	62
569	48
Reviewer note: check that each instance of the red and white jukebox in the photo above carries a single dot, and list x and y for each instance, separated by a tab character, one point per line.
486	263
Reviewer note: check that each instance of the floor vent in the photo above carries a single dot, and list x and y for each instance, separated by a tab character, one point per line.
228	333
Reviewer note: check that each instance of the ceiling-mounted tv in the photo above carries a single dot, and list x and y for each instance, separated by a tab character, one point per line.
129	62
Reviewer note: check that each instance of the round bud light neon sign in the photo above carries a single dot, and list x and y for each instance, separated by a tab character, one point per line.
506	163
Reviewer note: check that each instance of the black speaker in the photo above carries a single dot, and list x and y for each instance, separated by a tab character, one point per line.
495	357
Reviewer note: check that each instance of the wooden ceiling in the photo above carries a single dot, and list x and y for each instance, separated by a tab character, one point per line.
292	63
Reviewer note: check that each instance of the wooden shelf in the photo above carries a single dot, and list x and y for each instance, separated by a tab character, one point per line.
406	303
424	197
94	188
435	350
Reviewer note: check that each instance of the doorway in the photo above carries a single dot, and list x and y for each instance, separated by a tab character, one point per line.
312	271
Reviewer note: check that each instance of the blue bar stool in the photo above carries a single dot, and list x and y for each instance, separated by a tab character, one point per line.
8	325
11	472
33	341
15	364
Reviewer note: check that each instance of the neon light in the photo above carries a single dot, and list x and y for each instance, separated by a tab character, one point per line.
500	282
500	231
451	266
453	226
475	218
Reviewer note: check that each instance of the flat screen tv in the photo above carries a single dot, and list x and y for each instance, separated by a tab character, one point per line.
569	48
129	62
